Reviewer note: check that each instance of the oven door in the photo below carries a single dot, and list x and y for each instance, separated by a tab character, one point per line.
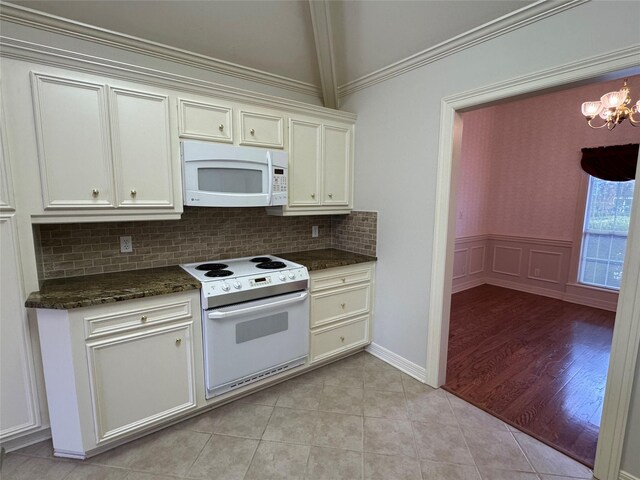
252	340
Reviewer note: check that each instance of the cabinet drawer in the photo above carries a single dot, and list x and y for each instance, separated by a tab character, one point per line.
260	129
100	325
351	276
203	121
333	339
337	304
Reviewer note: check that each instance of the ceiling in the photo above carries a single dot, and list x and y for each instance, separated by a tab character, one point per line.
280	36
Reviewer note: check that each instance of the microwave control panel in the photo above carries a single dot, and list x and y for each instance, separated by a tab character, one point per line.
279	191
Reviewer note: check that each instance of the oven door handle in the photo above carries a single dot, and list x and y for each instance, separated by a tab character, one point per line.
241	311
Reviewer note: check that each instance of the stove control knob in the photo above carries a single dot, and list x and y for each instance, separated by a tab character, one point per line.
282	277
225	287
292	275
237	285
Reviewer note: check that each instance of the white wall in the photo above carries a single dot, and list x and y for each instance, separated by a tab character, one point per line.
397	151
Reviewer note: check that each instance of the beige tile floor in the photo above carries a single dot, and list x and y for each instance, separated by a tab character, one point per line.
355	419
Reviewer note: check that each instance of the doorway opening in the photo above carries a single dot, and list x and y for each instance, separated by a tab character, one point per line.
626	336
528	341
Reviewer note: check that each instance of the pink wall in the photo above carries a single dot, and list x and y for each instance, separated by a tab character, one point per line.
520	163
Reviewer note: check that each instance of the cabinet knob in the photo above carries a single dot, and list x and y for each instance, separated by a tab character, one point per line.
133	193
178	341
252	131
313	195
143	318
344	279
342	339
331	195
221	127
95	192
343	305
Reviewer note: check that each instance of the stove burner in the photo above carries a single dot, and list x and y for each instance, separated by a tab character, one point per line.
260	259
271	265
218	273
211	266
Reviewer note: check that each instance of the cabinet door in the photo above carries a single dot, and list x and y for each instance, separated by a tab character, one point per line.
142	379
17	402
336	172
6	187
261	130
142	149
304	163
203	121
73	143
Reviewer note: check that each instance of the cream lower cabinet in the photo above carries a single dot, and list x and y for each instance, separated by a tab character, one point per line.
341	304
115	371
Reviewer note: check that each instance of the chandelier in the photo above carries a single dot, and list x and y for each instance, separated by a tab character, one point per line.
613	109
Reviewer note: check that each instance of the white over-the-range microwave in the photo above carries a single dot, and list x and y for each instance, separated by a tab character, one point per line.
217	175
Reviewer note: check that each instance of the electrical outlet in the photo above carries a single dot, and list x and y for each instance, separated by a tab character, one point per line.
536	272
314	231
126	245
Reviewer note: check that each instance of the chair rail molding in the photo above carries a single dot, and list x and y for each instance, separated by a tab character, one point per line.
626	336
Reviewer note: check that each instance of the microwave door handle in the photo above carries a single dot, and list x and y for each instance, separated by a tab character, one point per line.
268	306
270	168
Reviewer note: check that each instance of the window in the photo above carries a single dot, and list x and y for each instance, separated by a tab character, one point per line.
604	238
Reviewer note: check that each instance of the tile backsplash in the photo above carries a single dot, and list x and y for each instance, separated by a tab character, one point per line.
69	250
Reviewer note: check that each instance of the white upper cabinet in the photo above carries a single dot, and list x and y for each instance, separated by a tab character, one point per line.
320	168
141	149
6	185
261	129
204	121
336	168
72	129
104	148
304	173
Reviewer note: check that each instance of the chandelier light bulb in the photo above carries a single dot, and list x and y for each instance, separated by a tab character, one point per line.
613	99
591	109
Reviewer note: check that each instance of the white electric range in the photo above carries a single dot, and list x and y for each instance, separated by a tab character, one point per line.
255	319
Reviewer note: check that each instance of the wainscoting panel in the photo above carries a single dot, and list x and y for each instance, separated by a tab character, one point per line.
507	260
460	263
476	259
535	265
545	266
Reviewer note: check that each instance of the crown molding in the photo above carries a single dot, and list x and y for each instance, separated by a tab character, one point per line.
80	62
70	28
501	26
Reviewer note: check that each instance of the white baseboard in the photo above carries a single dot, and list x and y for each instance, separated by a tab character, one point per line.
467	285
627	476
401	363
545	292
26	440
590	302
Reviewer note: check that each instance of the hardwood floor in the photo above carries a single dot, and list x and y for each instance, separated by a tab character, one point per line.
537	363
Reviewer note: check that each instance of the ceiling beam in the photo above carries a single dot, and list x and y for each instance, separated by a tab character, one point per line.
321	21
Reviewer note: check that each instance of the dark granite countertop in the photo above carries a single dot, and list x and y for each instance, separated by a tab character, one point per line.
76	292
325	258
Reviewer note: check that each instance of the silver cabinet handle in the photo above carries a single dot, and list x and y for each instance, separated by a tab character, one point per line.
313	195
178	341
133	193
221	127
343	305
252	131
331	195
95	192
143	318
